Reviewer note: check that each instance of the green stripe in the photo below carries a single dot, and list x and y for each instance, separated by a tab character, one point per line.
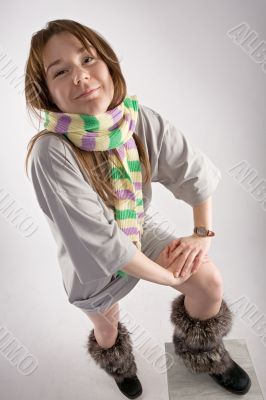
124	214
134	165
115	139
139	202
46	122
119	173
130	103
91	123
123	274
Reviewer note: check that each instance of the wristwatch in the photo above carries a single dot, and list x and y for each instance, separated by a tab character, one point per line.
202	231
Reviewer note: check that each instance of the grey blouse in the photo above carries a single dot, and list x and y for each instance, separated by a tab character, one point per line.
91	247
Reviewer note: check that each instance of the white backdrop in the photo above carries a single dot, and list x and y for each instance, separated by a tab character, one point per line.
202	65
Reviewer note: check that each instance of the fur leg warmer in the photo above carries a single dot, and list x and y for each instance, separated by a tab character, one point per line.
118	360
199	342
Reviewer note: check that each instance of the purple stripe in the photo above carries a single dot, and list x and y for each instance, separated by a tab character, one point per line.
116	125
88	142
130	144
121	152
63	124
116	114
132	125
141	214
130	231
125	194
138	185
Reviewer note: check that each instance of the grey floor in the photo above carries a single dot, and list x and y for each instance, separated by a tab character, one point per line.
182	384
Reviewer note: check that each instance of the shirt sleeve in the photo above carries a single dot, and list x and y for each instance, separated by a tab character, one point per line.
96	245
182	167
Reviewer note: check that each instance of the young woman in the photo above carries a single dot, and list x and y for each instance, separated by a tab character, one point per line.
87	169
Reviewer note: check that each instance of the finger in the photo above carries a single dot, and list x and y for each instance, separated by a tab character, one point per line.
173	244
194	270
168	249
178	251
178	257
198	260
196	265
175	257
175	266
189	262
179	262
180	280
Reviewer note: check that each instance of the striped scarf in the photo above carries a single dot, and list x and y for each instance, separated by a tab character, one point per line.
111	130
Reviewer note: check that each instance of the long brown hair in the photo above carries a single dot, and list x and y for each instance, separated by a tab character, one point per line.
38	98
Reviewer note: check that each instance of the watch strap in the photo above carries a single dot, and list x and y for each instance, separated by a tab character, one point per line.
209	232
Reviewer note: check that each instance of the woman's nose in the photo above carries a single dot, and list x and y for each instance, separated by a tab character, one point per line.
80	74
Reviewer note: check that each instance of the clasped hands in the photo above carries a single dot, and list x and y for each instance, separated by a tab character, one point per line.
183	256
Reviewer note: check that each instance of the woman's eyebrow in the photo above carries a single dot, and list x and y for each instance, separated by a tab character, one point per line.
56	62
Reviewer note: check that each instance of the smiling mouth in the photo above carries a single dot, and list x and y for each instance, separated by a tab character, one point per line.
88	94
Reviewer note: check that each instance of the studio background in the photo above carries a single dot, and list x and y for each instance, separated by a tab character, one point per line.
181	59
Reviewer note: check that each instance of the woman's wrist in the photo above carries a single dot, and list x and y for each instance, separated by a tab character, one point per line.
175	281
140	266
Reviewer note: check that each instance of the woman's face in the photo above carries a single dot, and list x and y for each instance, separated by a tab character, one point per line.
76	72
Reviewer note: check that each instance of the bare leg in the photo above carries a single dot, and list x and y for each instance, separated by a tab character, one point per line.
202	308
203	291
105	326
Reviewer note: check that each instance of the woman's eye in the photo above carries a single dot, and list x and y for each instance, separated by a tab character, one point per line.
59	72
88	57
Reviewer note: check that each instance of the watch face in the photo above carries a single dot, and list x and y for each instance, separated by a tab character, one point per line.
201	231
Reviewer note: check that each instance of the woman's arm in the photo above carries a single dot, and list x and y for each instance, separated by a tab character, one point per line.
202	213
143	267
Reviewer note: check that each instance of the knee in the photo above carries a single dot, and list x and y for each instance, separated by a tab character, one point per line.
214	286
209	282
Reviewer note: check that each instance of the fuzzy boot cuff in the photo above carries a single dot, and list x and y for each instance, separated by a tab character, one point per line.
199	342
118	360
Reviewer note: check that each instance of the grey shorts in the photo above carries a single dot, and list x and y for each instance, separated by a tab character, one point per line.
157	233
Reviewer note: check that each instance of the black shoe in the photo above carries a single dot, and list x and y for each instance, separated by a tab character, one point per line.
130	387
235	379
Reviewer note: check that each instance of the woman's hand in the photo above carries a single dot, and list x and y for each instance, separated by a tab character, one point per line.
184	255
